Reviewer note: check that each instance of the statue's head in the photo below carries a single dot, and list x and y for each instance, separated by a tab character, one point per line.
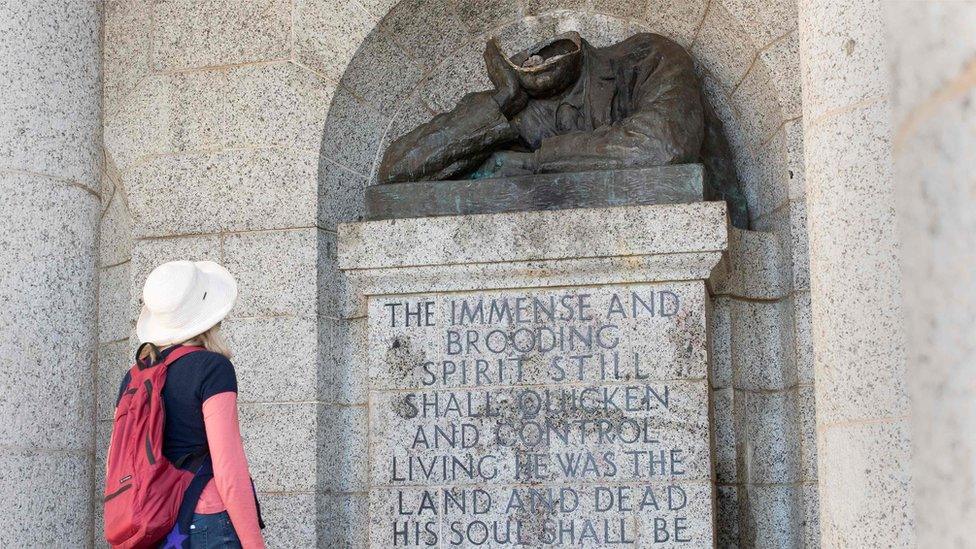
548	68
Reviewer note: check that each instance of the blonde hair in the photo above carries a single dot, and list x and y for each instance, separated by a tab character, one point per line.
211	340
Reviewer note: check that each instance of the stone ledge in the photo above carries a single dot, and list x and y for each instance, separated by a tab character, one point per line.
620	232
659	185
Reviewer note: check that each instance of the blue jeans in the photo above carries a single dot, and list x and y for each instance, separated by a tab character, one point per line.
213	532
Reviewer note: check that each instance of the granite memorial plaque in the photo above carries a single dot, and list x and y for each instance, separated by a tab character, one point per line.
541	417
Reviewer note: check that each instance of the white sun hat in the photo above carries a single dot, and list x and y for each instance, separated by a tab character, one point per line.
183	299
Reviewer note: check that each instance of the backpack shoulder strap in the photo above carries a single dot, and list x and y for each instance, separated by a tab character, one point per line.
180	352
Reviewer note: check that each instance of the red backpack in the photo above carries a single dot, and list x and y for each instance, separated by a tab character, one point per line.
143	490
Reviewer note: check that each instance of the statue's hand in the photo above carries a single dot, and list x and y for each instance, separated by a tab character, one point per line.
507	164
509	95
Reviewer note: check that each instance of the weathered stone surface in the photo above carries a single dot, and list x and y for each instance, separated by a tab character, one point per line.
54	511
661	185
49	55
188	34
282	456
525	236
224	191
273	357
273	272
595	395
630	333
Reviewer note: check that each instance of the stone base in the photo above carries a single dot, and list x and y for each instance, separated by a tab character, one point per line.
660	185
538	378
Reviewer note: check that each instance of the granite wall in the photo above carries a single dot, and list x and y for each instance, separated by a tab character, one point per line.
931	64
50	166
245	131
863	429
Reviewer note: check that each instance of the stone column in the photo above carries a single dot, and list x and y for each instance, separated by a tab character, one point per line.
934	84
863	432
49	201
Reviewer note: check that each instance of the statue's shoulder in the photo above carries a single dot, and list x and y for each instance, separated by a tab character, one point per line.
646	43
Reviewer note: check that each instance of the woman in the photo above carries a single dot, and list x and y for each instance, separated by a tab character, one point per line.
183	304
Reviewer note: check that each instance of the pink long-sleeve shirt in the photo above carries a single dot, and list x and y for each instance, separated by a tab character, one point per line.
230	489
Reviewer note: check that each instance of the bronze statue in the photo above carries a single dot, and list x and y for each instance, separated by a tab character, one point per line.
566	106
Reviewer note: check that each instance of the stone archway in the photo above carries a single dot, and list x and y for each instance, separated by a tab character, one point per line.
419	56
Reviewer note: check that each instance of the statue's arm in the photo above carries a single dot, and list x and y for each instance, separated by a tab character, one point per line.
665	127
451	144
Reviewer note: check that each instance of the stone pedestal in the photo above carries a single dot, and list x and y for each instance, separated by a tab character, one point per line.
539	378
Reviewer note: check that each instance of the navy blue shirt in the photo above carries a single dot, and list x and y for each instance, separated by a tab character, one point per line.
190	381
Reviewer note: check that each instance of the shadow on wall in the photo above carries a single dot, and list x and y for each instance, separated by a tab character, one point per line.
424	55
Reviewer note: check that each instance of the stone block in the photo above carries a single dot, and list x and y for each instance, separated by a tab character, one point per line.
291	519
678	21
723	431
331	284
793	130
528	31
850	41
382	73
114	319
188	34
141	125
328	33
424	29
527	236
278	104
767	437
275	358
340	194
720	334
721	49
343	520
727	519
629	323
353	132
527	520
344	378
772	516
462	73
47	326
52	89
865	510
801	244
126	44
762	345
114	360
763	22
275	271
484	17
807	416
537	7
115	232
759	265
630	10
281	449
931	43
755	99
782	59
772	179
54	511
236	190
811	515
344	452
803	322
599	30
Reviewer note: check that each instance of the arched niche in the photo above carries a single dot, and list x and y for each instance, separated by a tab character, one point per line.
418	57
423	55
